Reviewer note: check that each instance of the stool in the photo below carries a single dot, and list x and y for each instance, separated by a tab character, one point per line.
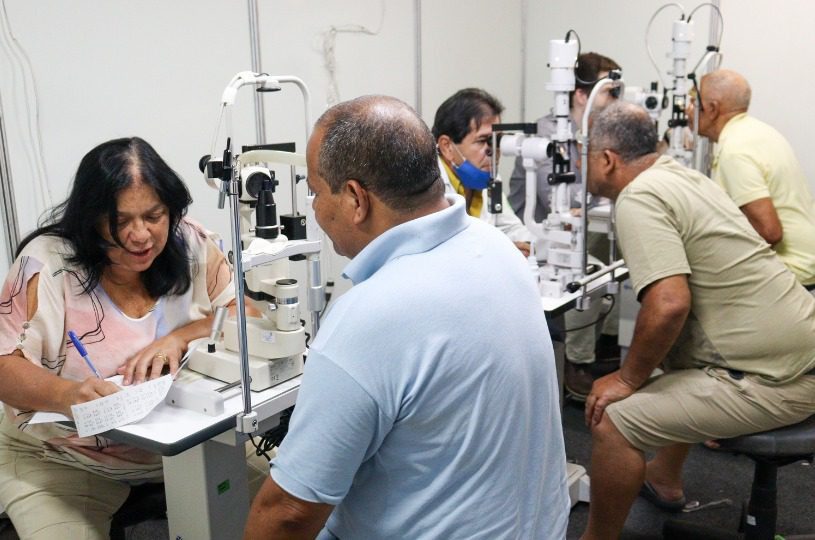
145	502
769	450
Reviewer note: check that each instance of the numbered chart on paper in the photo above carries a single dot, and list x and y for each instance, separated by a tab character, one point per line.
129	405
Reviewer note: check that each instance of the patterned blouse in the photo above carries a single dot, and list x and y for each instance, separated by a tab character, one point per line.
109	335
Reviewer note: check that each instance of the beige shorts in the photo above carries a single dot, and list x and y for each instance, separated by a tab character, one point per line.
694	405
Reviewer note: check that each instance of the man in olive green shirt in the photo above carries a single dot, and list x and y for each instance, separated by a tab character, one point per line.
757	167
727	320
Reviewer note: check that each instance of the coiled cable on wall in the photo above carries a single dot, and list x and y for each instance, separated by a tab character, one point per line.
329	52
30	125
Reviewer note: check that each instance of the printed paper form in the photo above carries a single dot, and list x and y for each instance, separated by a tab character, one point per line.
129	405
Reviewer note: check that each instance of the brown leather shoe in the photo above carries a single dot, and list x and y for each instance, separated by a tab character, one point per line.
578	380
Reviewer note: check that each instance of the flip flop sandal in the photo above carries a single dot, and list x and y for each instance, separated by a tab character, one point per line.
648	493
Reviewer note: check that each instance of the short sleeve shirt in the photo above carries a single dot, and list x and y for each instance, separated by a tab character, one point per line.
109	335
754	161
672	220
429	403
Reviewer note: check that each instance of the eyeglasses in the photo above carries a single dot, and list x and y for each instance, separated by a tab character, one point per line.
487	139
696	94
486	142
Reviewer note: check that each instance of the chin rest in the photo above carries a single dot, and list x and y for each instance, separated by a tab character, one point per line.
769	450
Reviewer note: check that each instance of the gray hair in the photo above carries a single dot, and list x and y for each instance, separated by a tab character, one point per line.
382	143
624	128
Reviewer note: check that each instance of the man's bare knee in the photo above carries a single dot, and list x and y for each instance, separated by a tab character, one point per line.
607	433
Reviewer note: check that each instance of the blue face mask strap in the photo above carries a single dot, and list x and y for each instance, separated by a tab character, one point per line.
463	159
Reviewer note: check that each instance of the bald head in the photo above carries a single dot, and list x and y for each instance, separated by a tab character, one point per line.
729	88
725	94
382	143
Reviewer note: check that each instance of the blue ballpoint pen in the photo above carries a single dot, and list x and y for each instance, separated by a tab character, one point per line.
83	353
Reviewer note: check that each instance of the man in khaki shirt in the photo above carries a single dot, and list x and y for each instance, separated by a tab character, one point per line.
720	313
757	167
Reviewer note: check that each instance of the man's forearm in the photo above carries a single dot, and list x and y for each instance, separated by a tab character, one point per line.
653	339
276	514
273	524
763	216
665	307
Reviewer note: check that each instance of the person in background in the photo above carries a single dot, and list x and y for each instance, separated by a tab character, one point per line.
429	402
120	265
757	167
583	346
591	68
707	283
463	131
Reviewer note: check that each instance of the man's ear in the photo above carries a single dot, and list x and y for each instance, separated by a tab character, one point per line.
580	97
713	109
445	146
359	200
608	162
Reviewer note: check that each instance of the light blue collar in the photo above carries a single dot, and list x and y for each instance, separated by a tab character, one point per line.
414	236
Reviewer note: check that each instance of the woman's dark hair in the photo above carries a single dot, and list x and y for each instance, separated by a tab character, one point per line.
102	174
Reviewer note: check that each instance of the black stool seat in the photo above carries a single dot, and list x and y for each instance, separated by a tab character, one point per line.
790	441
769	450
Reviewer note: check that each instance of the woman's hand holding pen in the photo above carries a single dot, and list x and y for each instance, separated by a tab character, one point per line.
150	361
87	390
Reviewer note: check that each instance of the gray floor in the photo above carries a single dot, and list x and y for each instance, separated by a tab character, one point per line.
709	476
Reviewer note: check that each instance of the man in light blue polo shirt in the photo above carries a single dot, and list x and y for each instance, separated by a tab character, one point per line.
429	406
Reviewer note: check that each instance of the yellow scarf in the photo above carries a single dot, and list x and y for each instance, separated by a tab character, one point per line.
476	199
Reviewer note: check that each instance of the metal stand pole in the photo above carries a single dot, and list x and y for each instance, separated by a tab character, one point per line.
254	46
247	422
418	54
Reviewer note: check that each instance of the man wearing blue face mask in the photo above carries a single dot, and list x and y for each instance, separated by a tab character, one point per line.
463	131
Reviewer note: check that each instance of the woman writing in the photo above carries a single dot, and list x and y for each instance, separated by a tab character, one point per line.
119	265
